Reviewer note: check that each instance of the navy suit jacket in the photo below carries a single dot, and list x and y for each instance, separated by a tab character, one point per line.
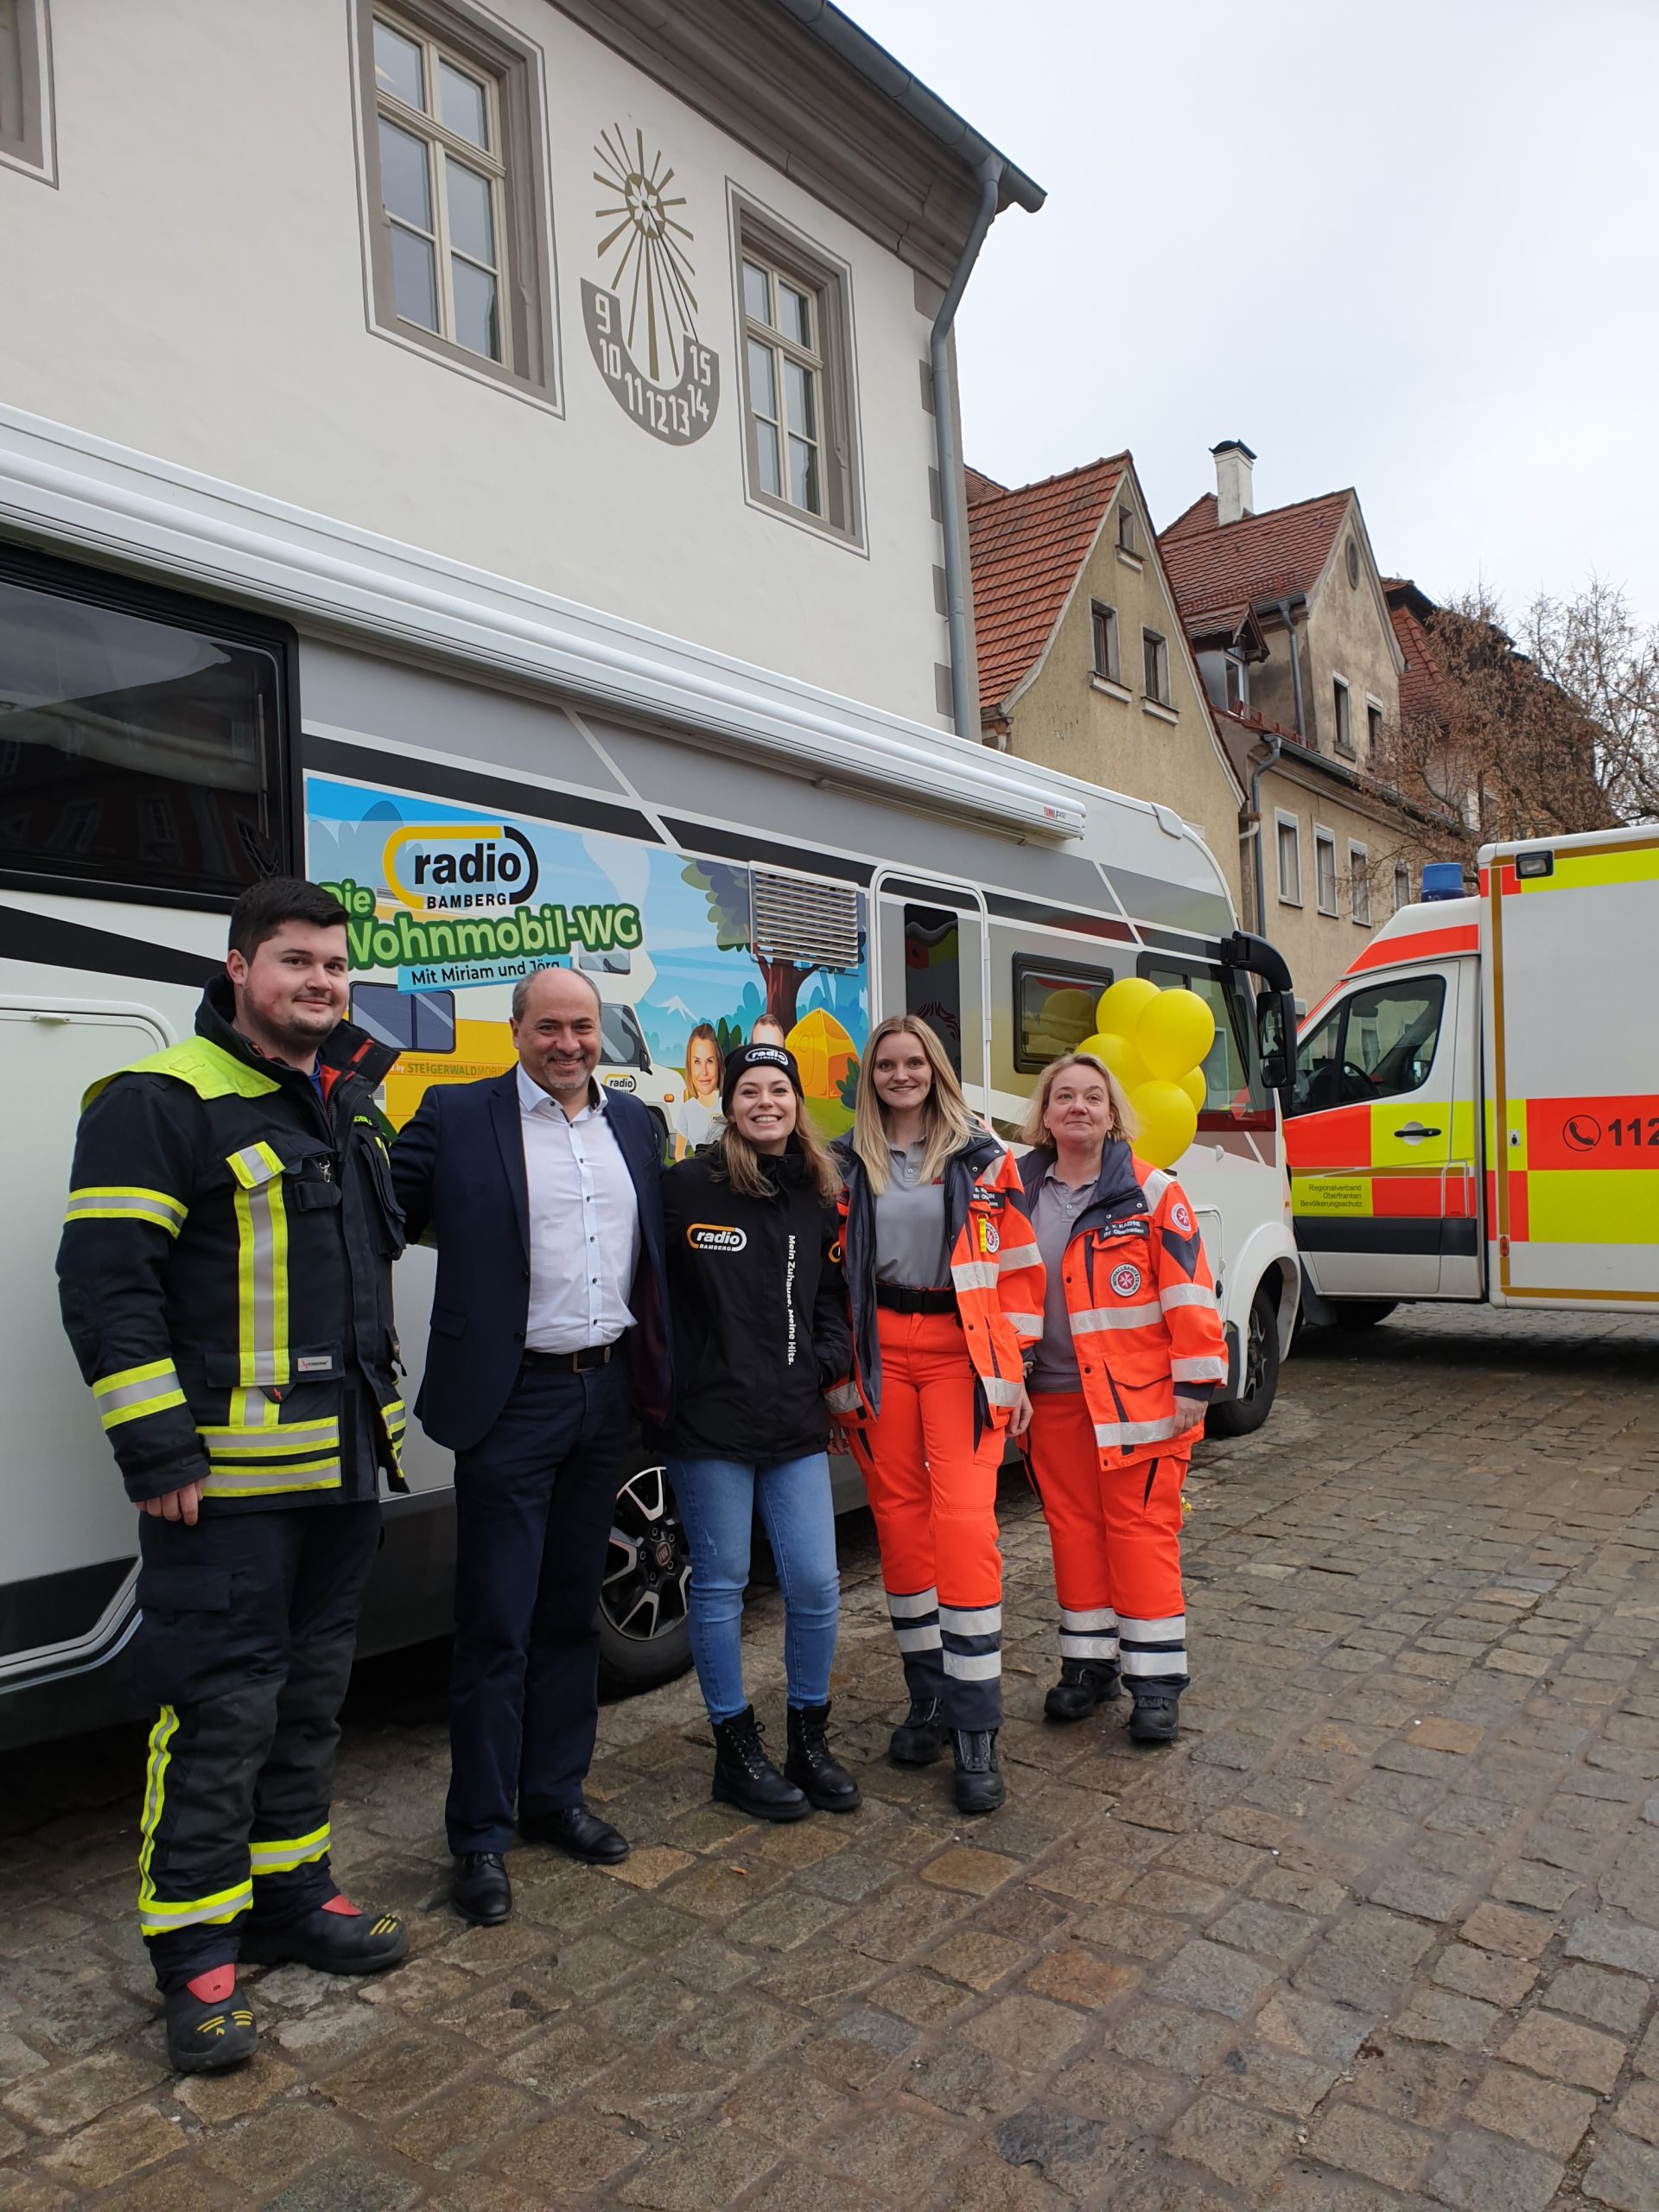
459	1171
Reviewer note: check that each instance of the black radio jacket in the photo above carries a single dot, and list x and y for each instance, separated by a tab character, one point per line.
225	1272
758	1310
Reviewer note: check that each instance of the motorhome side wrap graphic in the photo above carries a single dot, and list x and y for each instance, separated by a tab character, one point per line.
451	906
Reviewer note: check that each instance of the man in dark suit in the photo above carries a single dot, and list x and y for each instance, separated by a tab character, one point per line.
540	1190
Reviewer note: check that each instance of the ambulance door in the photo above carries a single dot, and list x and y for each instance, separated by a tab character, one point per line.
930	960
1380	1137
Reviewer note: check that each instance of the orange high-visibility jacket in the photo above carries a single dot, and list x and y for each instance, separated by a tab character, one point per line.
997	1271
1142	1307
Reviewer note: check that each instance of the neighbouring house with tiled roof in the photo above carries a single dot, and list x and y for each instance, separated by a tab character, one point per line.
1084	663
1306	666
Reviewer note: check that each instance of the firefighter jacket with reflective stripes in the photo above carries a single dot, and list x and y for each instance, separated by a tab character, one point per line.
225	1269
1141	1303
997	1271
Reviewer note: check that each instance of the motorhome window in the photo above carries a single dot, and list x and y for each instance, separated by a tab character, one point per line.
409	1021
933	974
621	1043
136	751
1232	1076
1054	1005
1379	1043
24	125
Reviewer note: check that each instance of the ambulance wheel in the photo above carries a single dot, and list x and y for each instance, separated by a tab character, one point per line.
645	1639
1244	1414
1360	1312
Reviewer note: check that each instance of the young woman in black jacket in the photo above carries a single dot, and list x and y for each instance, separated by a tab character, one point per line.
760	1331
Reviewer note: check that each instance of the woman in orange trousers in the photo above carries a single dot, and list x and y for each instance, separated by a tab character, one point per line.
1130	1355
945	1289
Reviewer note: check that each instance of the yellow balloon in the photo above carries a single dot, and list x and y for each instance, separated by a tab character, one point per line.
1195	1086
1174	1032
1122	1005
1125	1063
1168	1121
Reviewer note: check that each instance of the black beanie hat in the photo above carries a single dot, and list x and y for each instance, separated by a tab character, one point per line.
756	1055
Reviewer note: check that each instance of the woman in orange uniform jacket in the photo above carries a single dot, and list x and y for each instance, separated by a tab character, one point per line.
1131	1353
946	1292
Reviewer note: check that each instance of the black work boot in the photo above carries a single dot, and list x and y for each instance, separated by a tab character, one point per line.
333	1938
205	2034
1084	1684
810	1766
978	1785
919	1737
1157	1712
746	1777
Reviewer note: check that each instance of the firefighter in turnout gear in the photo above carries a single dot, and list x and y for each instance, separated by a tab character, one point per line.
225	1281
1131	1353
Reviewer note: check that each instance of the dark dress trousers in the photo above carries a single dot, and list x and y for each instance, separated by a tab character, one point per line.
538	1453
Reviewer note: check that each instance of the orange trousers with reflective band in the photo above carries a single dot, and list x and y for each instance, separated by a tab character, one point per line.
933	1495
1116	1536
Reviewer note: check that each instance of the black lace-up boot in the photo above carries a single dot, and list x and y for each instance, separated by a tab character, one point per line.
919	1737
809	1765
746	1777
1084	1684
979	1786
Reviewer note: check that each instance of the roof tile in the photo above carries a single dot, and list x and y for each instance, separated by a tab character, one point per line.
1268	556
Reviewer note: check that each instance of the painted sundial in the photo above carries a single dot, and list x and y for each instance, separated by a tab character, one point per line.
642	319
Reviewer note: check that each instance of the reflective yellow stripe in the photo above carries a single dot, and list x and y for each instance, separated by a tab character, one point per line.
262	1275
1593	1206
112	1202
156	1916
253	1482
160	1916
270	1442
281	1856
136	1391
255	1164
167	1722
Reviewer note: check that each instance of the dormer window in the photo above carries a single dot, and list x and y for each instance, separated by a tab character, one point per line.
1238	685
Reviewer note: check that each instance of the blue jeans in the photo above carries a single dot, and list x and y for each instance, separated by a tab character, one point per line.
717	1499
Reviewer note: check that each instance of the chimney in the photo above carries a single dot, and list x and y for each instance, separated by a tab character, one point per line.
1233	496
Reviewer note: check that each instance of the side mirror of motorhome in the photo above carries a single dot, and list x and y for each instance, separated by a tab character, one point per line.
1275	1038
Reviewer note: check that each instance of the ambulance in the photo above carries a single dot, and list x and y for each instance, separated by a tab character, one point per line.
1474	1113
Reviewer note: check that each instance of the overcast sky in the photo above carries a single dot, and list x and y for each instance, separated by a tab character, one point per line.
1411	249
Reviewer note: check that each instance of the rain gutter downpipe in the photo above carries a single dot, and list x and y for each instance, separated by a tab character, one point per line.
964	708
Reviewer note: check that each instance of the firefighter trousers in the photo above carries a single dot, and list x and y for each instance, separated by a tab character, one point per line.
932	1492
1116	1535
250	1622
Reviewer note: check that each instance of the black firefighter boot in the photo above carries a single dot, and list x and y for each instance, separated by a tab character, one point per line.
978	1785
1155	1718
809	1765
209	2024
746	1777
1084	1684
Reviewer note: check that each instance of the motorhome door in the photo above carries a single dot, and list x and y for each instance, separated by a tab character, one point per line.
931	954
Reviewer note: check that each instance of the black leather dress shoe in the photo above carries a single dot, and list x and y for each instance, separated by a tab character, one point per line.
482	1892
573	1829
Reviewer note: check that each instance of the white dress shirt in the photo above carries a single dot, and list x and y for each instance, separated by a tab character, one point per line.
584	1224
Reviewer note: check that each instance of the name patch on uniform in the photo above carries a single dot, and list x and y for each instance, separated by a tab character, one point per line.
1125	1280
1182	1219
991	1199
711	1237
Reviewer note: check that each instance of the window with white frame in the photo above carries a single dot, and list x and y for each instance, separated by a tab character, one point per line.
1344	717
1155	666
1238	684
1104	628
797	375
458	247
1290	860
1125	530
1401	885
1325	870
1359	884
25	124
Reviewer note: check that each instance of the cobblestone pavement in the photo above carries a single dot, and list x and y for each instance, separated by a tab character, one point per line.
1382	1930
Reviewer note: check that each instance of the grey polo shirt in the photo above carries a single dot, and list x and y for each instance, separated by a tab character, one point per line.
1053	1218
910	1225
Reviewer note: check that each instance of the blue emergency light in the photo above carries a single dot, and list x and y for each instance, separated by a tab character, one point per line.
1442	879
